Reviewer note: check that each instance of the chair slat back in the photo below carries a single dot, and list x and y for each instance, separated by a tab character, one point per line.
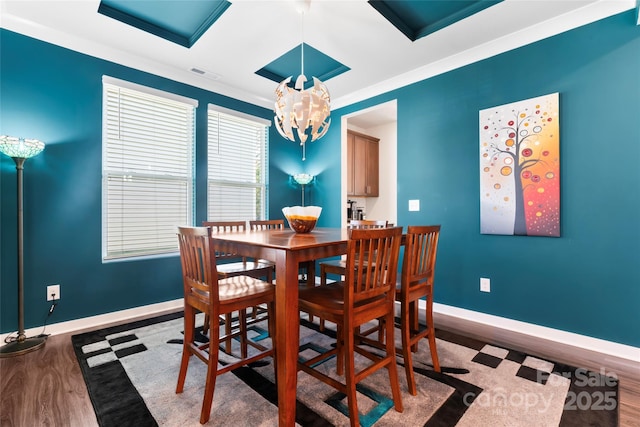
223	227
418	264
199	273
372	263
368	223
266	224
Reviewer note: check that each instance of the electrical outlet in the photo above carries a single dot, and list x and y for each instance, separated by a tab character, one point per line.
485	284
53	292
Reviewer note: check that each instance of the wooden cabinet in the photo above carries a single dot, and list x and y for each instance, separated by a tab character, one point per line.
362	165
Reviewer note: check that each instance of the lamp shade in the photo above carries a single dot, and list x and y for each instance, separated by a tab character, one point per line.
303	178
20	148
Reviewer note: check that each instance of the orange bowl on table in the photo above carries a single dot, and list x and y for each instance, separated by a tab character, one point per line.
302	219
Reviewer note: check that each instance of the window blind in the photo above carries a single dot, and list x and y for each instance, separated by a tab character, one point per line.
237	166
148	163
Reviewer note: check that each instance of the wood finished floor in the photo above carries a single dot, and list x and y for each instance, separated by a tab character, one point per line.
45	387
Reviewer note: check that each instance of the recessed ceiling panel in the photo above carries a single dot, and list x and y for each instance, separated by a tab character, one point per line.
316	64
418	18
179	21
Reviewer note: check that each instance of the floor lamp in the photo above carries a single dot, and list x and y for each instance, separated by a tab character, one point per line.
303	179
20	149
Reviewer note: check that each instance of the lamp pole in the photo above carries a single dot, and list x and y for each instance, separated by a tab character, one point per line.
19	150
20	168
303	179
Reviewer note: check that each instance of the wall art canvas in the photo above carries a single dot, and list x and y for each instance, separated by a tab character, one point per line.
520	168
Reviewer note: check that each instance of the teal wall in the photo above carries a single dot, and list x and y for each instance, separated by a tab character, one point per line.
587	281
55	95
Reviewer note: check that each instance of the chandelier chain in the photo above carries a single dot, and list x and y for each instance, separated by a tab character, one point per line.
302	45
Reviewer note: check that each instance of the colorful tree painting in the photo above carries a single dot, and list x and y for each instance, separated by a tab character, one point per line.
520	168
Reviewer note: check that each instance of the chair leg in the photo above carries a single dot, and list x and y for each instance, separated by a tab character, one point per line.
243	333
311	279
405	331
311	273
434	352
228	321
271	325
349	376
432	334
189	326
323	282
212	371
391	365
205	325
381	330
340	349
414	322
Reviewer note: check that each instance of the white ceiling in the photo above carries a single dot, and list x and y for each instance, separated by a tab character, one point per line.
250	34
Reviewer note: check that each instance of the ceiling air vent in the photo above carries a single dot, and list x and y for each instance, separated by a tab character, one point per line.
207	74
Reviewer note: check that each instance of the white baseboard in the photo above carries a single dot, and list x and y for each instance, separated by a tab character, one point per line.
102	320
562	337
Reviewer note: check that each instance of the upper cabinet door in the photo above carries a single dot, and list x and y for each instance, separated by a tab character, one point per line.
350	159
372	183
362	165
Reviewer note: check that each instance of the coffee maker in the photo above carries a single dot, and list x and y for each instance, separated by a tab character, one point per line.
351	209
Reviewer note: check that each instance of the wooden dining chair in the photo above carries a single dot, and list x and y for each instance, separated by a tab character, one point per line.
308	267
338	266
418	269
229	265
366	294
233	264
205	292
416	283
266	224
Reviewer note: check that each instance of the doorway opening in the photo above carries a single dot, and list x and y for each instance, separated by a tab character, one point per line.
380	122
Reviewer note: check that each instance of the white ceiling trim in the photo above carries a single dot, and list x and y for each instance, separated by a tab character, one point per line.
552	27
591	12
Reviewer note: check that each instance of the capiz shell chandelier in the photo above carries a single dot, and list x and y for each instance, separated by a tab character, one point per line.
305	110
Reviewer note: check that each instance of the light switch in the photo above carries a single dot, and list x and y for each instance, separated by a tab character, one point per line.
414	205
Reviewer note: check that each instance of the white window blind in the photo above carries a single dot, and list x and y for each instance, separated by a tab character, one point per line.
237	166
147	169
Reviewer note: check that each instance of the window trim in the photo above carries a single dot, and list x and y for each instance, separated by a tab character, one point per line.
213	108
239	114
149	90
105	173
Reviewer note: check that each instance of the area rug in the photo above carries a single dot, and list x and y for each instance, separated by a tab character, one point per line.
131	372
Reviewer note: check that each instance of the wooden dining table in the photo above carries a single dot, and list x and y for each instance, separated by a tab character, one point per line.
287	250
